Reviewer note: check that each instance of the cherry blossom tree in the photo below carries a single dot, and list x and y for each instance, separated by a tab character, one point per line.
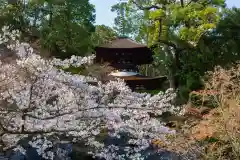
37	98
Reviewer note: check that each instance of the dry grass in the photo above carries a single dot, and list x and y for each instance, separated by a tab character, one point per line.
217	135
224	121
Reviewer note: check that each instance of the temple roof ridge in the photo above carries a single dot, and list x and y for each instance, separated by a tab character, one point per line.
123	42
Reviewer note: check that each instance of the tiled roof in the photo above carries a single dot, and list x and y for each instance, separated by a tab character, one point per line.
123	43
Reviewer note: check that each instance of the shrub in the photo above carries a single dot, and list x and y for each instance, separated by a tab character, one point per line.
206	98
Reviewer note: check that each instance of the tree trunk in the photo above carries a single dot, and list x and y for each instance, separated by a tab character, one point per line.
177	67
171	80
50	14
68	28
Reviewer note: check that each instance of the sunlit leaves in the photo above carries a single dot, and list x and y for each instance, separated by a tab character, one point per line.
189	21
156	14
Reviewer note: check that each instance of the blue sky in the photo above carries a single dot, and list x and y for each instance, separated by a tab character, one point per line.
106	17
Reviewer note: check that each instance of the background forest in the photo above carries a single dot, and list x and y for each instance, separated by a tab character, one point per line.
196	45
191	36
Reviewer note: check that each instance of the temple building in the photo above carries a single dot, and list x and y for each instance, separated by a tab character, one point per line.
125	55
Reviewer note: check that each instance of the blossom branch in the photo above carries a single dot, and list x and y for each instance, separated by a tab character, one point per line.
48	100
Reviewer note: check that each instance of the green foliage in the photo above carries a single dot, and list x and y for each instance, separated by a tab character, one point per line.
182	95
188	20
74	70
178	24
198	99
122	25
69	28
188	39
211	140
152	92
63	43
102	35
64	27
196	18
129	21
176	30
221	46
216	47
11	15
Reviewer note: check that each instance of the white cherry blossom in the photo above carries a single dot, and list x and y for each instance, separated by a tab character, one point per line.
38	98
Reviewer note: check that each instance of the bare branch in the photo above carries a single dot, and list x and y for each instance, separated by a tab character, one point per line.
93	108
63	114
6	131
190	2
166	42
50	117
147	7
